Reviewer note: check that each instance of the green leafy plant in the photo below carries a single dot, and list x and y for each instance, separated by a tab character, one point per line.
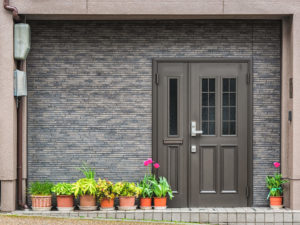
145	186
105	189
87	171
63	189
126	189
40	188
274	184
85	186
161	188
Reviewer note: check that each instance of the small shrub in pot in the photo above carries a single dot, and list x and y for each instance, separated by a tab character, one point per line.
41	197
127	192
105	194
64	196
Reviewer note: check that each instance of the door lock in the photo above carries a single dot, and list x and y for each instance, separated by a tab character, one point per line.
194	130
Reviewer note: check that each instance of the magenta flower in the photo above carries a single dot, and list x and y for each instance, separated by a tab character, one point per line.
146	163
276	164
156	165
150	161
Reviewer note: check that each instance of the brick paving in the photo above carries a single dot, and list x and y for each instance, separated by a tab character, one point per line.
221	216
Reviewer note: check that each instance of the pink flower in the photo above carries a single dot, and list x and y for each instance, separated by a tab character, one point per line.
146	163
276	164
150	161
156	165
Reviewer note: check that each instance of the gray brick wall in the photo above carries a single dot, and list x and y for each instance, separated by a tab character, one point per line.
89	91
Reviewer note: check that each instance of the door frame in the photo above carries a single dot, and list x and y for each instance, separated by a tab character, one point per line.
247	60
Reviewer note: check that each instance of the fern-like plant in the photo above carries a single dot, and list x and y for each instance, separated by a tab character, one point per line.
40	188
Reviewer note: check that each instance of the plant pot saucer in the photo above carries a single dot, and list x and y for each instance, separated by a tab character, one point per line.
41	208
107	209
127	208
160	207
65	209
146	207
276	206
88	208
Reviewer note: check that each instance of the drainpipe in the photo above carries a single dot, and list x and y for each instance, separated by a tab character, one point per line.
13	9
17	18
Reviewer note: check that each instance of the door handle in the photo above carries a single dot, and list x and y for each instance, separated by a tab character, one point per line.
194	130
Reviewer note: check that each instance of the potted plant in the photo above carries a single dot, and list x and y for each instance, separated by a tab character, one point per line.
160	189
64	196
127	192
274	184
86	189
41	195
146	192
105	194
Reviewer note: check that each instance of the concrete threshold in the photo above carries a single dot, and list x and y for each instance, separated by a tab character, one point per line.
231	216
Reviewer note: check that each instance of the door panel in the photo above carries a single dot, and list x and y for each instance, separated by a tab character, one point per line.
172	133
214	96
218	99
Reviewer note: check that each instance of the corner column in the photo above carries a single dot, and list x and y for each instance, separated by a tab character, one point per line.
8	115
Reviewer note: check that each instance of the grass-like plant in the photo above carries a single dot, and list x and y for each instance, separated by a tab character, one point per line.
85	186
87	171
145	186
63	189
40	188
161	188
274	184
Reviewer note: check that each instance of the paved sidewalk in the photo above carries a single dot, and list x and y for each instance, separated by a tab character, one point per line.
230	216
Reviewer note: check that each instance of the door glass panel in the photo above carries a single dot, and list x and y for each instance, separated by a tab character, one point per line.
208	106
229	106
173	108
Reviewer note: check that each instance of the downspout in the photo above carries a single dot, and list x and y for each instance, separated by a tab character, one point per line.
13	9
17	18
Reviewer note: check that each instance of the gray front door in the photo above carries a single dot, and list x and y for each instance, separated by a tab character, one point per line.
200	131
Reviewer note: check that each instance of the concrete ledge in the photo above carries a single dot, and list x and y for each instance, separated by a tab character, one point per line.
220	216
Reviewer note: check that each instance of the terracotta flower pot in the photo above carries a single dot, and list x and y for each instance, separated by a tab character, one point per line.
65	202
146	203
107	204
127	203
160	203
87	202
276	202
41	203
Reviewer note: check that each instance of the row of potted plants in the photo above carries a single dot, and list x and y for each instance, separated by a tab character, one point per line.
88	191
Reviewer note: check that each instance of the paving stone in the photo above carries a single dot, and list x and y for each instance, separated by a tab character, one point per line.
139	215
148	215
74	214
231	217
129	215
296	217
204	217
167	216
111	214
223	217
287	217
240	217
120	215
269	217
260	217
195	217
82	214
102	214
185	217
278	217
250	217
175	216
213	218
157	215
92	214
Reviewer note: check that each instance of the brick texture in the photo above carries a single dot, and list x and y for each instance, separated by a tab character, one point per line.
90	84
